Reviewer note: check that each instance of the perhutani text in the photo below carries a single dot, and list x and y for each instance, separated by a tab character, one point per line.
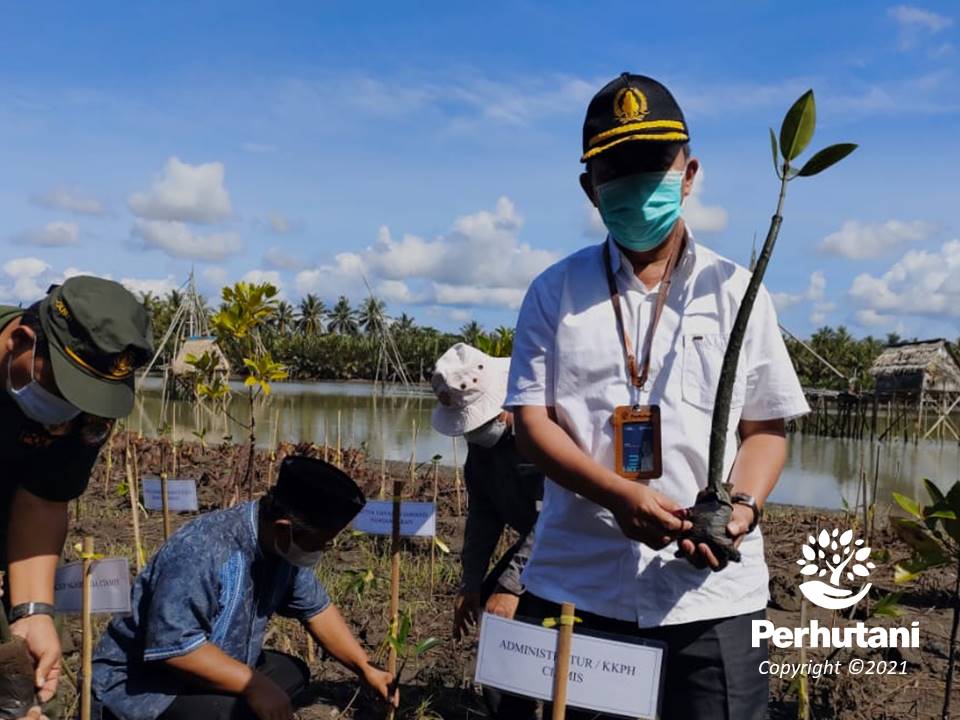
815	636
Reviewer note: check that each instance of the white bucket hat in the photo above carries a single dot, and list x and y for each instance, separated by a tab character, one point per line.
470	387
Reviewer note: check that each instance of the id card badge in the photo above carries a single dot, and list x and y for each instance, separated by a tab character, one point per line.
636	432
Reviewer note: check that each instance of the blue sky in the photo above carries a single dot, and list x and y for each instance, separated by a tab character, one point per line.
433	148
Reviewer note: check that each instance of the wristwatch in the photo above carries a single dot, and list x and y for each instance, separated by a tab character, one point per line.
25	610
751	502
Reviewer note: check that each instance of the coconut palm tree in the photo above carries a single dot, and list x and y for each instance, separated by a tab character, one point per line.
343	318
312	314
371	315
403	324
471	332
284	319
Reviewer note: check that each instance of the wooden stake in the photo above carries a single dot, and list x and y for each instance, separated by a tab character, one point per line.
311	650
326	444
166	506
803	689
456	477
394	579
339	454
433	545
383	461
562	661
134	509
87	646
109	468
173	442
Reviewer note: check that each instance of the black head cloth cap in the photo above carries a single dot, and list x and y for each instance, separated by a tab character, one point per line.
320	494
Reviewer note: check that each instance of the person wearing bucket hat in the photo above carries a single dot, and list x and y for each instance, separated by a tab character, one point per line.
193	645
68	362
616	362
503	489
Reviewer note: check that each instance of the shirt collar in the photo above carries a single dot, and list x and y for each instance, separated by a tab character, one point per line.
684	269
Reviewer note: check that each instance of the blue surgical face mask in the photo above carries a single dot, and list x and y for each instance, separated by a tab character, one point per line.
38	403
296	555
640	210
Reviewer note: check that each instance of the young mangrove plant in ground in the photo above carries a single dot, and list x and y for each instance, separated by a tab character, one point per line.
933	534
247	310
713	507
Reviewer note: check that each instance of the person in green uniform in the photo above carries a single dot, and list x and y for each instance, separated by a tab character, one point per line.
68	362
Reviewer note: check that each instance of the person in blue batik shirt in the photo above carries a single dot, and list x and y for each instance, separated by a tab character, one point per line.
192	646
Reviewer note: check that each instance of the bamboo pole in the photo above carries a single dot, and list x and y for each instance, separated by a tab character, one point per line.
456	478
339	455
134	509
109	467
326	444
311	650
561	668
383	460
164	494
87	641
173	442
394	579
803	690
433	545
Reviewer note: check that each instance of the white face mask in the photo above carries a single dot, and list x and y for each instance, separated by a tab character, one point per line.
488	434
38	403
296	555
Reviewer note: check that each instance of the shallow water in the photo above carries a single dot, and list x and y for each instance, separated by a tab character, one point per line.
820	472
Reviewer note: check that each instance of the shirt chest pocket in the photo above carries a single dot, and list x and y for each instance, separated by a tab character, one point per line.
702	361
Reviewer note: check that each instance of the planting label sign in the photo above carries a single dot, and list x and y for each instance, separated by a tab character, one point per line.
606	675
109	587
181	495
417	519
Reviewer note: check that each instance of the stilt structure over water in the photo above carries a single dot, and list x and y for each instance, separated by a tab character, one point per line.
916	397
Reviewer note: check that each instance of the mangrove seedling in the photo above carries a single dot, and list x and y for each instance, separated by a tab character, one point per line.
713	508
248	309
402	644
933	534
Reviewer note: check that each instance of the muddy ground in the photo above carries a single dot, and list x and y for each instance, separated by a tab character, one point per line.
439	685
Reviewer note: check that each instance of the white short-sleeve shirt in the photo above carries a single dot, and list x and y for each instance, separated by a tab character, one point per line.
567	353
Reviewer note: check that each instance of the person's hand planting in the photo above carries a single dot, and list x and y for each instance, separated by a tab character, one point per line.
380	681
647	516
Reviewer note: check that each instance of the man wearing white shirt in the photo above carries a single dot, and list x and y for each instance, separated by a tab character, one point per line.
637	328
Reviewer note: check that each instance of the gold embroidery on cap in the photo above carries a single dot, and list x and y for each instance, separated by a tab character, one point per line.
630	105
61	307
122	365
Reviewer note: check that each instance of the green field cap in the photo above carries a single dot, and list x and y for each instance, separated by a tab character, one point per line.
98	334
628	109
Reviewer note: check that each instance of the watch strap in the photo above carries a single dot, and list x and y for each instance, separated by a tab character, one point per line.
751	502
28	609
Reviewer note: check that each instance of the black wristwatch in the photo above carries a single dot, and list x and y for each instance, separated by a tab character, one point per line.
751	502
25	610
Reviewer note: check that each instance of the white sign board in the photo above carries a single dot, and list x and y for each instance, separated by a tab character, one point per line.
607	676
417	519
109	587
181	495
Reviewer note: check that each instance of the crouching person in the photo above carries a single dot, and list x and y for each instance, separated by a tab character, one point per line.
192	646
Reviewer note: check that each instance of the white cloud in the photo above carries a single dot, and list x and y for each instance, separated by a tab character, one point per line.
277	259
177	240
480	261
184	192
215	276
264	276
700	217
26	273
54	234
394	291
917	24
912	16
922	284
156	286
859	241
281	224
62	198
815	295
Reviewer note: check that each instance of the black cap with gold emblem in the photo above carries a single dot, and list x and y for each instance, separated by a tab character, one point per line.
630	108
98	335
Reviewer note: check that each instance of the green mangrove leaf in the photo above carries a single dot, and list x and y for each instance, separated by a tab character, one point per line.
909	504
798	125
823	159
776	153
888	605
426	645
915	535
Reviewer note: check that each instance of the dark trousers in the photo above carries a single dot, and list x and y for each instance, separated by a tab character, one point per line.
290	673
712	672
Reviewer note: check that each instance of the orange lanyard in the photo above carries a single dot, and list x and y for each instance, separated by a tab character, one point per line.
639	380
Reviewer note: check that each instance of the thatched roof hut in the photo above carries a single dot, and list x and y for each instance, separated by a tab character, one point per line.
198	346
928	366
